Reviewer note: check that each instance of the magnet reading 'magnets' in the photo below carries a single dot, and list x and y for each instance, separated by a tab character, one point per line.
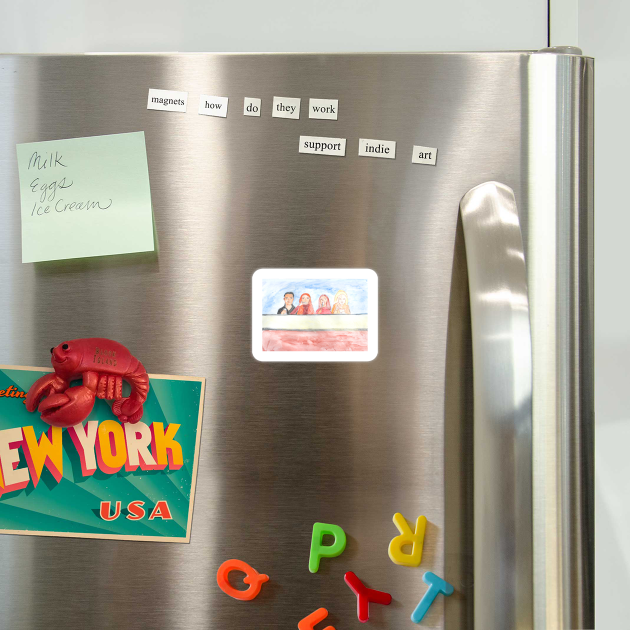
103	364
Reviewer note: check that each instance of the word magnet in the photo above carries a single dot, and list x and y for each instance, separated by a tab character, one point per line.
213	106
319	551
252	577
407	537
285	107
424	155
322	146
365	595
251	106
167	100
323	108
377	148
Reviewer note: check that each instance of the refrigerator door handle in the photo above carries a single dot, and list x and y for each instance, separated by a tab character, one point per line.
502	373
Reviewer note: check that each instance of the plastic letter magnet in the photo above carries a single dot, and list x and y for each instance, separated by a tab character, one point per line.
308	623
319	551
407	537
365	596
436	586
252	577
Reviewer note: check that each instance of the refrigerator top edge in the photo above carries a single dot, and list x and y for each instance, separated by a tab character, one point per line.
467	53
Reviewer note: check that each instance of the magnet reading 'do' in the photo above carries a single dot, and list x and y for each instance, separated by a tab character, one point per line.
315	315
102	364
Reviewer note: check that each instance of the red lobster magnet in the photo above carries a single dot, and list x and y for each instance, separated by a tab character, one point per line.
103	364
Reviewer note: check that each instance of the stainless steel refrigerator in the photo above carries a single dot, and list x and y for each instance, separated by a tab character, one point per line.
477	411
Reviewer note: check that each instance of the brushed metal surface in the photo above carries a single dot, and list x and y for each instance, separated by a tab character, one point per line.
502	368
283	445
560	277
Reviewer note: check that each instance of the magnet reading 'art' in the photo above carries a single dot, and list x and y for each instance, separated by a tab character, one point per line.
407	537
102	364
252	577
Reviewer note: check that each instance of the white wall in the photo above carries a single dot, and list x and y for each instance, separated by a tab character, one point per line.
603	27
37	26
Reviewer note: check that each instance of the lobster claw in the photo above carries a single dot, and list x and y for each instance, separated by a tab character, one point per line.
128	410
43	386
68	408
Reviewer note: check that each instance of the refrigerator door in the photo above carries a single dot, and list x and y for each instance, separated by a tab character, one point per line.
285	445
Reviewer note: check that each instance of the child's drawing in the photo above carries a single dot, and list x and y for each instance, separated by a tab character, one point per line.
306	306
324	305
315	315
341	306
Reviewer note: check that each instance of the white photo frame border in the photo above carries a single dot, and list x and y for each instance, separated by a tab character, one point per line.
322	355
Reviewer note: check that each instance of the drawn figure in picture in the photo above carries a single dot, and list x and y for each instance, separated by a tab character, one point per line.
324	305
341	306
305	307
288	308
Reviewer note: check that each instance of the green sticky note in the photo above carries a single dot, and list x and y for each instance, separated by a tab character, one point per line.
85	197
